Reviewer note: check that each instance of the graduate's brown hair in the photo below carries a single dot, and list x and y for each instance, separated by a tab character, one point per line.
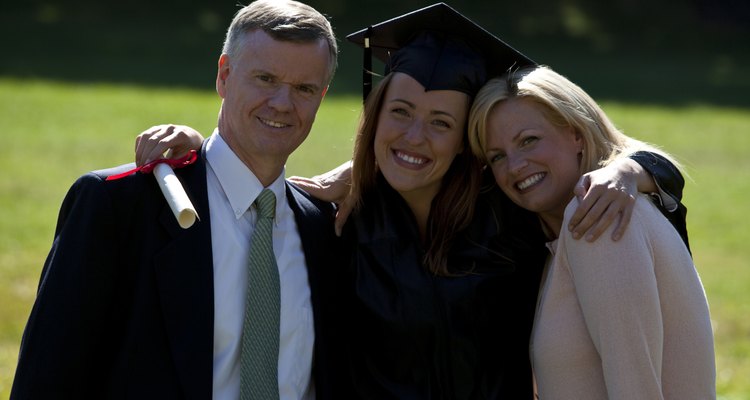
452	208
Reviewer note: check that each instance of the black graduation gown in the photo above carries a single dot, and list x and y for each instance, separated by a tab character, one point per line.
415	335
670	180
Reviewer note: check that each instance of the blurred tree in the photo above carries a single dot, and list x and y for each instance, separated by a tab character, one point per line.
605	45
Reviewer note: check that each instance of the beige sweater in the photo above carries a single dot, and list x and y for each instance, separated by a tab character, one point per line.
623	320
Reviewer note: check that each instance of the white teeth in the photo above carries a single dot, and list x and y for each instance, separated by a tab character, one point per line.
272	124
410	159
530	181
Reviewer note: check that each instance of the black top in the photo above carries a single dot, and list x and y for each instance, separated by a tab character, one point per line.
415	335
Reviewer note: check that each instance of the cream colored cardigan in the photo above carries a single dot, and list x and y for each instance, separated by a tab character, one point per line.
623	320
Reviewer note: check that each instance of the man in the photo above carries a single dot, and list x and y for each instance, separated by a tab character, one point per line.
131	306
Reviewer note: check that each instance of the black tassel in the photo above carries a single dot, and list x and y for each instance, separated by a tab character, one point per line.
367	69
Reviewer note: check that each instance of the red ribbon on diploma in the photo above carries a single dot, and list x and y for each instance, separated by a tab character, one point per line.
148	168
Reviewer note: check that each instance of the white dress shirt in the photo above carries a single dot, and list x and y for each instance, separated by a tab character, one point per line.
232	189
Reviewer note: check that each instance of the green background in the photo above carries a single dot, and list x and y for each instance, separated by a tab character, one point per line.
79	79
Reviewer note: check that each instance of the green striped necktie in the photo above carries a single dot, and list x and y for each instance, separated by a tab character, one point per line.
260	334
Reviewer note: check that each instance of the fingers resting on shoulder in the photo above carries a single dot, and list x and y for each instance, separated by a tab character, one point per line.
333	186
604	199
165	140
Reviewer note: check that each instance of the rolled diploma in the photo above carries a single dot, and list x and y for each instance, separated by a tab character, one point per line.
175	194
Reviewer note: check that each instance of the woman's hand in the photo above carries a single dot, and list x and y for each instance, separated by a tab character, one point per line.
607	195
174	140
331	186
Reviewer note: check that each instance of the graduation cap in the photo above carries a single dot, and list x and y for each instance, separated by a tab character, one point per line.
439	47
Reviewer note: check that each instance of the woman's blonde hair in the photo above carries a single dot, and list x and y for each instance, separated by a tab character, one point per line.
452	208
564	104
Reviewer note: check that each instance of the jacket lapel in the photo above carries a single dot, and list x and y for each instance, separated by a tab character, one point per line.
314	228
315	223
184	275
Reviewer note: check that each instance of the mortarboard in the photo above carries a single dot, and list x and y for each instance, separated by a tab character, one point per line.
439	47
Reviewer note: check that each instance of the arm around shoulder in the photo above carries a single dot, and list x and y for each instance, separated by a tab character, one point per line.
669	184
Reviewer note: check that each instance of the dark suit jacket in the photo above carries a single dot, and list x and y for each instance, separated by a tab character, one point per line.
125	302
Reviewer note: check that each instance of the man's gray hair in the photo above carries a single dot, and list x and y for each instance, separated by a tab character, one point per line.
284	20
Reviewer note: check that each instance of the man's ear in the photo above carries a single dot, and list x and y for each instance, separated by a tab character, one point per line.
325	90
222	75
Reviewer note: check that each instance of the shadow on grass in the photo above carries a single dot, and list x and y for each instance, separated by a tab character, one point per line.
158	53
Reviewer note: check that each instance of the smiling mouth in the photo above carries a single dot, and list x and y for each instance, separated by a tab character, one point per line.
272	124
530	181
409	159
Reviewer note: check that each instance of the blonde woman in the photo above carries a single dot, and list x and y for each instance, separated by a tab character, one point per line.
624	319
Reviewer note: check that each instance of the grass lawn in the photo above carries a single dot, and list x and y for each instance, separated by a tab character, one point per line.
54	132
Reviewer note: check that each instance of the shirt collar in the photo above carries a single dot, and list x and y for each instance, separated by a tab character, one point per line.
237	181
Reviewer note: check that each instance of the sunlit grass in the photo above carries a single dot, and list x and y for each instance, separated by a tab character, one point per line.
712	143
54	132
